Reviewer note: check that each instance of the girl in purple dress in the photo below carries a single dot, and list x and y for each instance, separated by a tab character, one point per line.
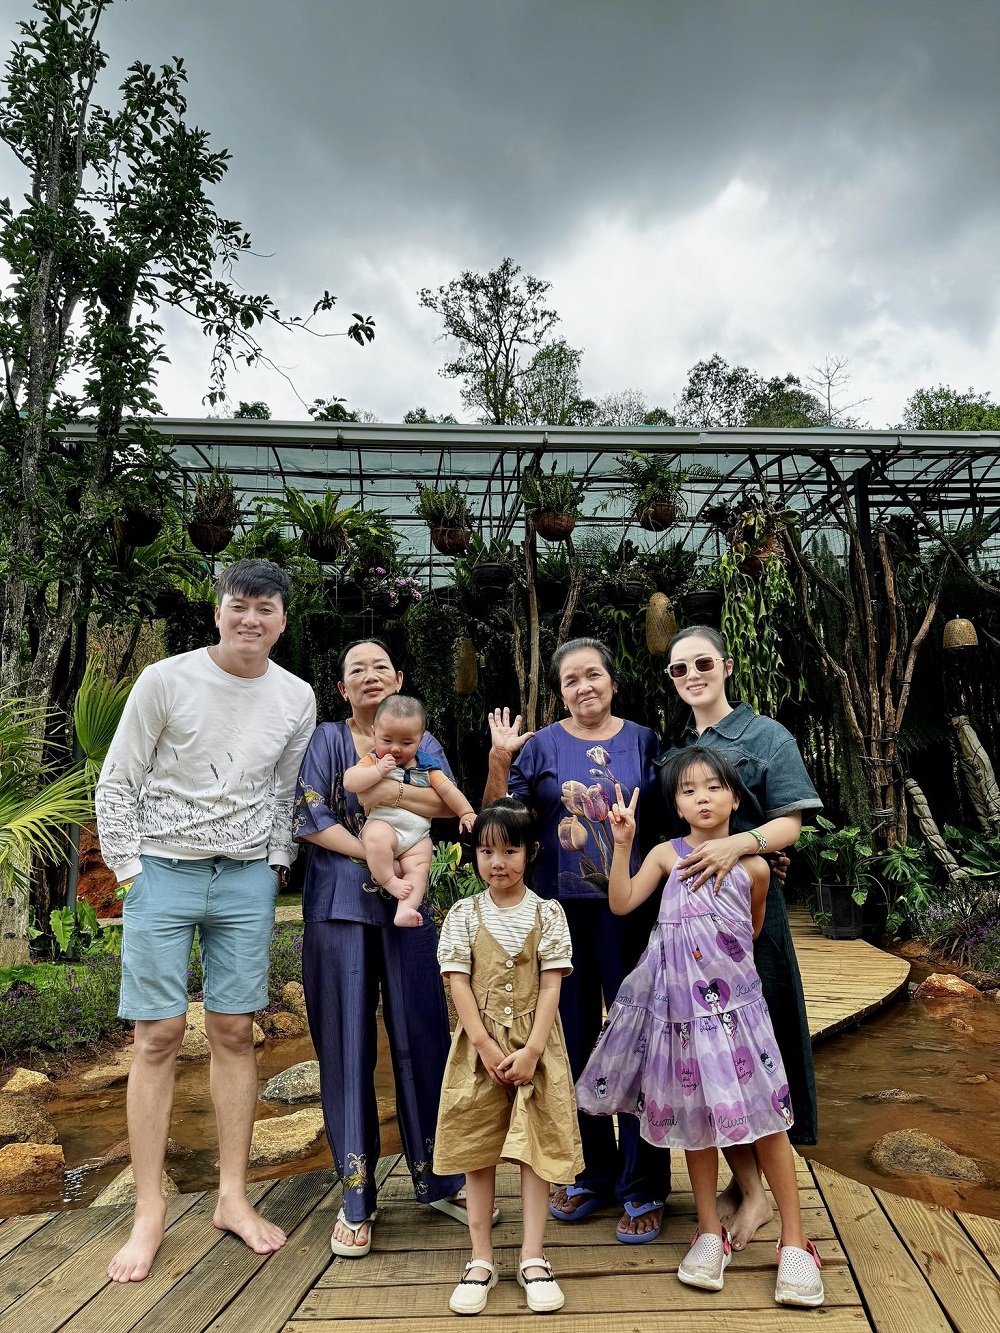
688	1044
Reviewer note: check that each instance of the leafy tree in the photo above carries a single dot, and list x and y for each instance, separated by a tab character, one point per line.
720	395
116	223
551	394
628	407
331	409
255	411
659	416
494	317
944	408
419	416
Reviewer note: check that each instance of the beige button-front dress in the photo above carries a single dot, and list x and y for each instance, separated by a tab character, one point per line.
481	1124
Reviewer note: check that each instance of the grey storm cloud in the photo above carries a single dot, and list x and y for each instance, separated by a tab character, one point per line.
384	145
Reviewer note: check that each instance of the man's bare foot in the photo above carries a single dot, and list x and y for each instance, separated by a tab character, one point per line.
407	916
348	1236
638	1226
135	1258
256	1232
745	1221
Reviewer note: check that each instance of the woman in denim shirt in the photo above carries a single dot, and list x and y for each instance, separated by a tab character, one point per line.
777	789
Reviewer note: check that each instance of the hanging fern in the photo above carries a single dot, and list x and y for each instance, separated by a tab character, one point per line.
754	614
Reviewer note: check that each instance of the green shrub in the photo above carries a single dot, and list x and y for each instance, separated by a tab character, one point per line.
53	1007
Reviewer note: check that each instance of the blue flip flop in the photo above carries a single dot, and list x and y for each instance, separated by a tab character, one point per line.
591	1204
635	1210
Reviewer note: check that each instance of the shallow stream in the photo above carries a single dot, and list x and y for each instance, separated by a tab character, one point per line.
917	1048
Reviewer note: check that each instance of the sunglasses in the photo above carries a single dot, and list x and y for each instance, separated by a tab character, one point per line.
703	665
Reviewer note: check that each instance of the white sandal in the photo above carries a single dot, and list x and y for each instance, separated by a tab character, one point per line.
451	1208
543	1294
353	1251
472	1293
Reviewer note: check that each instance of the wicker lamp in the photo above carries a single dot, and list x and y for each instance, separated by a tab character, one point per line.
960	633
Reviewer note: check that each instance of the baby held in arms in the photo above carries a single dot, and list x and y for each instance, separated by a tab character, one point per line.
393	836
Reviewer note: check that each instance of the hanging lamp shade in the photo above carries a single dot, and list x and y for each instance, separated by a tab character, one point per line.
960	633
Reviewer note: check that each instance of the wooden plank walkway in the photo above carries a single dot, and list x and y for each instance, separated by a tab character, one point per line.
891	1265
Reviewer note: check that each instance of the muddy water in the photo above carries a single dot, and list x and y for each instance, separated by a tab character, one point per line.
88	1124
917	1048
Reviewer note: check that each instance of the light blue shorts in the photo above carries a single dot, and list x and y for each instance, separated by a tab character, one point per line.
230	904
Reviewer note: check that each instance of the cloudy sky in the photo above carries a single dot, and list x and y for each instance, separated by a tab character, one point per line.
775	180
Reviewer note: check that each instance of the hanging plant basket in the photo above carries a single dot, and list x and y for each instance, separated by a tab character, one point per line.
344	595
490	577
137	528
553	525
445	595
209	538
551	595
702	607
450	540
325	547
628	593
658	516
382	604
661	624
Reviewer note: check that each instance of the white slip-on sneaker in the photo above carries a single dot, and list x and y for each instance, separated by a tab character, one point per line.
472	1293
799	1282
543	1294
706	1261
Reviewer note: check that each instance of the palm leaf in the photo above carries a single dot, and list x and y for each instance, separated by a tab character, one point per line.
98	709
36	825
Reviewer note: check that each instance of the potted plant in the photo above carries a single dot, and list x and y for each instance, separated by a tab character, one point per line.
390	593
552	580
215	512
139	521
446	513
322	524
491	565
754	530
653	487
623	579
552	502
843	864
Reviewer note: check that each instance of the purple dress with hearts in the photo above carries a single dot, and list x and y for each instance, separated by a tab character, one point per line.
688	1044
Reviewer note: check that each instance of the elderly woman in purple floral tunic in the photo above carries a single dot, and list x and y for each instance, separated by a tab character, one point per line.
352	953
566	773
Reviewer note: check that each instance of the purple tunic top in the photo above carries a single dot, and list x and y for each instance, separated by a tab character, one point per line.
337	888
570	784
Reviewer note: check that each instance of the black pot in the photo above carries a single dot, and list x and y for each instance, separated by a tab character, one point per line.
629	593
489	577
325	547
551	595
345	596
446	595
702	607
137	528
846	916
209	538
382	604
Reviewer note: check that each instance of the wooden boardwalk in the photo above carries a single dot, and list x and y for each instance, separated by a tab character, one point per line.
891	1264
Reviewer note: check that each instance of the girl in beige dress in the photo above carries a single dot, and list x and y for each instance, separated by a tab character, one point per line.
508	1092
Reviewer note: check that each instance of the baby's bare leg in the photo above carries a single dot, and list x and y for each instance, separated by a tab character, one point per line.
415	865
379	841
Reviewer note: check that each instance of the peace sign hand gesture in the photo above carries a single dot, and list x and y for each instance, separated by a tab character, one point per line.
623	817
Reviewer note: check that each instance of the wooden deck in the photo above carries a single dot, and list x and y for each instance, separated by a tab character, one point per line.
891	1264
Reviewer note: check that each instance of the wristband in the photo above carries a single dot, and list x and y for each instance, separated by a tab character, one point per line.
761	840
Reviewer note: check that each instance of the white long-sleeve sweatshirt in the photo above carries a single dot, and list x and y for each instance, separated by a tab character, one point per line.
204	764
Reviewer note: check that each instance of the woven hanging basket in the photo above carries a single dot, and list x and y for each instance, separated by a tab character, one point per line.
552	525
661	624
960	633
450	540
658	516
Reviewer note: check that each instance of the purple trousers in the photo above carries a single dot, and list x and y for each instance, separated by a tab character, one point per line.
345	966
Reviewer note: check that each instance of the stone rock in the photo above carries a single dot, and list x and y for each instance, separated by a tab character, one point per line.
890	1095
983	981
977	1078
106	1076
910	1152
386	1109
959	1025
22	1120
285	1138
913	949
122	1189
31	1082
120	1152
943	986
24	1166
293	997
299	1083
284	1024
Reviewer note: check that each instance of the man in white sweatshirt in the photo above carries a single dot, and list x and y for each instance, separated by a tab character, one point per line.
194	809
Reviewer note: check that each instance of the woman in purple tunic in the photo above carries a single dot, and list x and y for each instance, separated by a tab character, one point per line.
352	952
567	773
